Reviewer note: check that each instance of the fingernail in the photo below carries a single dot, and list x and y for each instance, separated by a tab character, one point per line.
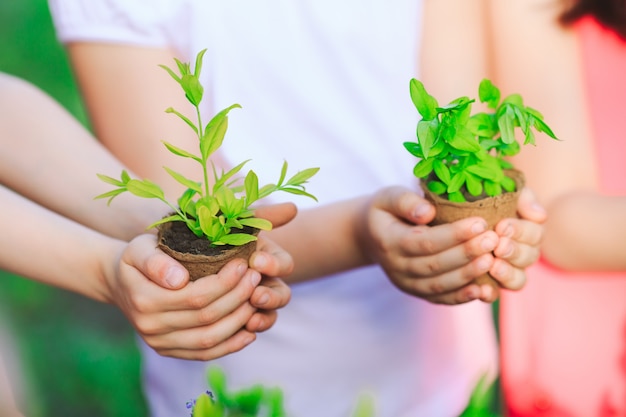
248	340
539	208
263	300
174	276
255	278
488	244
421	210
241	268
260	260
479	227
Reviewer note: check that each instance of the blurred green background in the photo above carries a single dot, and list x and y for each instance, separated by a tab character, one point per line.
77	357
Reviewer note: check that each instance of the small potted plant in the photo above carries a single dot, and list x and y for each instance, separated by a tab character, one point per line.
211	222
463	163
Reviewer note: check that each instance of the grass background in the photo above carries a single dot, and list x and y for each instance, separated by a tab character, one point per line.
76	357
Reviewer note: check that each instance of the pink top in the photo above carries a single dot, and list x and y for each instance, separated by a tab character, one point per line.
564	334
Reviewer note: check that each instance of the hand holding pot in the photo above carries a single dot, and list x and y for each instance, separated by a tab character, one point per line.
439	263
199	320
519	244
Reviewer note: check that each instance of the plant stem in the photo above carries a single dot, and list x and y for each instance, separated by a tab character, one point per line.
204	161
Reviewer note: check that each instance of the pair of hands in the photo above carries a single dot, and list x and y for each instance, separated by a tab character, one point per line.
210	317
218	315
439	263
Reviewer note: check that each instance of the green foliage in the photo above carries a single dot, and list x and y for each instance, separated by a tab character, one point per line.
255	401
481	400
209	210
461	152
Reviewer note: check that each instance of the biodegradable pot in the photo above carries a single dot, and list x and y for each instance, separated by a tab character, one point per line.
492	209
196	253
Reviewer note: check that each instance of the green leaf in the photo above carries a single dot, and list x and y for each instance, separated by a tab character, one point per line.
437	187
414	149
456	197
425	104
473	184
298	191
251	184
112	181
283	173
508	184
274	400
456	182
172	218
193	89
492	189
184	181
181	152
226	176
483	172
186	198
302	176
365	406
427	134
145	188
442	171
248	401
423	168
110	195
183	117
257	223
488	93
171	73
236	239
506	123
206	407
215	132
464	140
199	58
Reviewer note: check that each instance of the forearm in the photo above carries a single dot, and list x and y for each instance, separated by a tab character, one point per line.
586	231
41	245
51	159
323	240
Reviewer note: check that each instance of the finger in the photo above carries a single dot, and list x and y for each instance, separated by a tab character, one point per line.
508	276
271	260
203	337
271	294
209	313
262	320
233	344
529	208
517	254
277	214
523	231
449	281
405	204
449	259
426	240
143	297
463	295
157	266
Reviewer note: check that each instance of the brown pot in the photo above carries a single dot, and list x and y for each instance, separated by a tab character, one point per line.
196	253
492	209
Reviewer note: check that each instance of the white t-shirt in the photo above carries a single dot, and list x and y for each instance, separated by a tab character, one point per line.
322	83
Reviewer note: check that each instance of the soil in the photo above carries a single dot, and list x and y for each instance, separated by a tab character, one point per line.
181	239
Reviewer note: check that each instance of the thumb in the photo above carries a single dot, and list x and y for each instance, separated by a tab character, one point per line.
405	204
277	214
529	208
160	268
